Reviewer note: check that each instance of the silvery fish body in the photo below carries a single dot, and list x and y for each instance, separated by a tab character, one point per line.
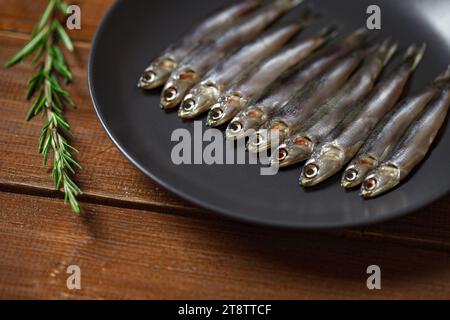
299	146
278	94
348	137
159	70
237	97
203	95
410	151
388	132
191	70
288	119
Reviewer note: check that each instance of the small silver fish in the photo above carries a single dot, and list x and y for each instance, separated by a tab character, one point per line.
205	94
190	71
299	146
300	107
410	151
346	140
388	132
160	69
239	95
278	94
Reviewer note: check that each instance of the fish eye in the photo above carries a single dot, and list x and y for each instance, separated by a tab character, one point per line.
351	175
216	113
170	94
235	126
370	184
282	154
149	76
188	105
311	171
258	140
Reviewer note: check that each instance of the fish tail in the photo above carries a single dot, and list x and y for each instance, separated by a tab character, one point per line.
359	38
288	4
414	55
443	80
308	17
386	51
328	33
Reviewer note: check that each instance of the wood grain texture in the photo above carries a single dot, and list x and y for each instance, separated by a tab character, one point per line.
107	176
135	240
21	15
138	254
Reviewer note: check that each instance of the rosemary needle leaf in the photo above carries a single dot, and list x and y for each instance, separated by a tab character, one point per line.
58	54
63	71
51	98
28	49
63	35
62	6
45	16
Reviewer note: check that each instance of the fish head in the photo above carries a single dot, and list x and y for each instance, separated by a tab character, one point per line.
177	87
225	109
380	180
323	164
198	100
245	122
268	137
292	151
356	172
157	73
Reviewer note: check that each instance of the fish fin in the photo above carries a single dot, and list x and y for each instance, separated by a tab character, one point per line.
414	54
289	4
386	51
359	38
443	80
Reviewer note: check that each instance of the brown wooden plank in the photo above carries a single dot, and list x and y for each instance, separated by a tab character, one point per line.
105	172
137	254
107	176
21	15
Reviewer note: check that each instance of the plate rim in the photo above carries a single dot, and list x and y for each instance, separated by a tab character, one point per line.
213	208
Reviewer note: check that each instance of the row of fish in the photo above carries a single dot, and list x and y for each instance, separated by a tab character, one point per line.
320	103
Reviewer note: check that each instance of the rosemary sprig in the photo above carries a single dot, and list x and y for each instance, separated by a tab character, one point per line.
50	98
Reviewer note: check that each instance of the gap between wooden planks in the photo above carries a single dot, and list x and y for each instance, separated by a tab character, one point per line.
125	253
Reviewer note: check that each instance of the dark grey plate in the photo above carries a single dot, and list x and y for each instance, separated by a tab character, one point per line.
134	31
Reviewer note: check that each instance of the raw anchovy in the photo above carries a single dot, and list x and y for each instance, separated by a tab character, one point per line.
287	120
206	93
299	146
279	93
388	132
239	95
160	69
188	73
411	150
348	137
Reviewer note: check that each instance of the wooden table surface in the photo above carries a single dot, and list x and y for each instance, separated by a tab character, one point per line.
136	240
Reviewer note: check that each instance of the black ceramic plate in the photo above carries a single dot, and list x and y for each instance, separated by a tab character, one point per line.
134	31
